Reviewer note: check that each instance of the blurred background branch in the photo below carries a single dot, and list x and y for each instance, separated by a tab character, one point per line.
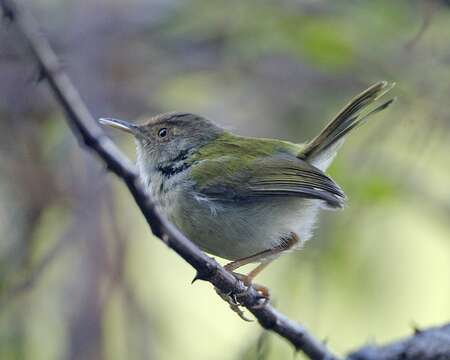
273	69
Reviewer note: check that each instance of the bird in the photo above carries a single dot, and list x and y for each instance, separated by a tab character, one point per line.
244	199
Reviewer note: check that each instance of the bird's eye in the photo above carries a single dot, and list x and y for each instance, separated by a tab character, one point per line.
162	132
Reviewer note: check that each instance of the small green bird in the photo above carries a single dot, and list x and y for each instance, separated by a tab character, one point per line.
244	199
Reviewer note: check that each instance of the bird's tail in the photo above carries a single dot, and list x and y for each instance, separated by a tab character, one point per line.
322	149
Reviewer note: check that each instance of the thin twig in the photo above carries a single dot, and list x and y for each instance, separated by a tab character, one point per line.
11	294
90	135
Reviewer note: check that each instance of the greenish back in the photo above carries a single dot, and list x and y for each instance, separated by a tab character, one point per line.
235	168
230	153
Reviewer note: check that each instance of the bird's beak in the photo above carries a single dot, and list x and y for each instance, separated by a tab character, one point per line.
120	124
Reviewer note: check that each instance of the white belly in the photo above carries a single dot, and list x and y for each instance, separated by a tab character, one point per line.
236	230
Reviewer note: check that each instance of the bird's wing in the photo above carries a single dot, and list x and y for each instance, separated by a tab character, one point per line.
228	178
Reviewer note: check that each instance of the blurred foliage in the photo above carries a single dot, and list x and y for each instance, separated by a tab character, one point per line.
80	275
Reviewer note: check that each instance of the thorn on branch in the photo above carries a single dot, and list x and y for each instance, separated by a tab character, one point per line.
205	273
416	329
37	76
41	75
9	10
197	276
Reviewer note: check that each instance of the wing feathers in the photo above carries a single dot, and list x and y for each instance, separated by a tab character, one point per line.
271	177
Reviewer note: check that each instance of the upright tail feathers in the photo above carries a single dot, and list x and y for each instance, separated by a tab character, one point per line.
321	150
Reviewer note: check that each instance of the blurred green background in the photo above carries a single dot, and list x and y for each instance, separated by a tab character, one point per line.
81	276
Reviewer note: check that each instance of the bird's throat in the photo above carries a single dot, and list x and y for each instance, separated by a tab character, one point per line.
171	169
177	165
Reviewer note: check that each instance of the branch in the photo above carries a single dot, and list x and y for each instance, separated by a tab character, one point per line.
431	344
91	136
10	294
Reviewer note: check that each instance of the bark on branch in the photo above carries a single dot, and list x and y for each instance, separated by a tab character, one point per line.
92	137
430	344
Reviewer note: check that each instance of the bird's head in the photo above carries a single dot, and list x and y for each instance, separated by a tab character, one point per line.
167	137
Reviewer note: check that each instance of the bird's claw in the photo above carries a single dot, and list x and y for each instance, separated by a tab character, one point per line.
263	296
260	303
263	291
231	300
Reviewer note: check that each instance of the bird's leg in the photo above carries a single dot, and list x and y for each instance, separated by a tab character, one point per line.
263	255
265	258
248	279
251	259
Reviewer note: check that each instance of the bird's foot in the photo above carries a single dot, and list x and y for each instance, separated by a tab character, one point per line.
247	280
231	300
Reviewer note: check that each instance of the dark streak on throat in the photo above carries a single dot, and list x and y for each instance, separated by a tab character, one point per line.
176	166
